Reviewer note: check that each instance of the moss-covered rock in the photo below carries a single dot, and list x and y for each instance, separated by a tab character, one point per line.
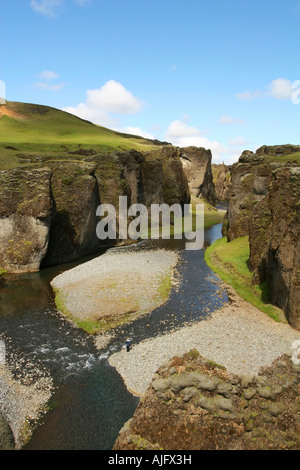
26	211
196	164
7	441
73	229
179	411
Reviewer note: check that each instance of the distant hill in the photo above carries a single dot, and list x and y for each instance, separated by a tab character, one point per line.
30	133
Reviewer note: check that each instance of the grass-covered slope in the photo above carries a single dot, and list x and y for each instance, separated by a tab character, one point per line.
29	131
231	262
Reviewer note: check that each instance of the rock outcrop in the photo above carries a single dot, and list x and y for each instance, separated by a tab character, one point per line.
26	211
73	228
221	179
275	242
263	203
195	404
48	213
196	163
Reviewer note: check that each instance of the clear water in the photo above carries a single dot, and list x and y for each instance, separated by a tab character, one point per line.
91	403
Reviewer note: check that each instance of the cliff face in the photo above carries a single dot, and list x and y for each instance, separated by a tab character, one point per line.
26	211
194	404
264	204
73	228
196	163
275	242
221	179
48	214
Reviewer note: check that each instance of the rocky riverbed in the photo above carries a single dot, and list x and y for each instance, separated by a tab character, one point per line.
238	336
25	390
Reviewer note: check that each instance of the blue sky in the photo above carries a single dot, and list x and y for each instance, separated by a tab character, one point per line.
217	74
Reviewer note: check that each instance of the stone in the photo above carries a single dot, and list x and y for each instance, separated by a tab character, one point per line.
161	384
189	393
249	393
224	403
225	389
276	409
7	441
186	379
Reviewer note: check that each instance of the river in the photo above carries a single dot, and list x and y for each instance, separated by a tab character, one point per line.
91	403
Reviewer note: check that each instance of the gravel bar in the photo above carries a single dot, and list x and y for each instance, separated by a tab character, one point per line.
237	336
116	284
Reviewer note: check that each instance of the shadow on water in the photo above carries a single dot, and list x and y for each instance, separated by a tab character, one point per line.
91	403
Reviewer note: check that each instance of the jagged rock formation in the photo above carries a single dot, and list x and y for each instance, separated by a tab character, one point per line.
26	210
196	163
195	404
73	228
221	179
48	213
264	204
275	242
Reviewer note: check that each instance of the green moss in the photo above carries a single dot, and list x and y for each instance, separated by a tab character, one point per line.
215	364
19	251
231	262
193	354
165	285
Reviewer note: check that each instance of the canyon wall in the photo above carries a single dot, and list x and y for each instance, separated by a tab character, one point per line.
196	163
221	179
263	203
48	212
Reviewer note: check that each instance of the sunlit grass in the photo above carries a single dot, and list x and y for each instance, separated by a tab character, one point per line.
231	262
41	131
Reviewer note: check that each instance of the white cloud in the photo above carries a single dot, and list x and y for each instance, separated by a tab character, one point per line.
182	135
249	95
48	75
97	116
48	86
46	7
281	89
136	131
51	7
113	98
238	142
227	119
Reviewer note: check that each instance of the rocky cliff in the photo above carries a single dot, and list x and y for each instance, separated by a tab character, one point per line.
48	212
196	163
195	404
263	202
221	179
26	211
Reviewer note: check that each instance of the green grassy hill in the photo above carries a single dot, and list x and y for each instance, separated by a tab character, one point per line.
32	133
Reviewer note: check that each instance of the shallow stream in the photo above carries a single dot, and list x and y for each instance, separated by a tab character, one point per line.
91	403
